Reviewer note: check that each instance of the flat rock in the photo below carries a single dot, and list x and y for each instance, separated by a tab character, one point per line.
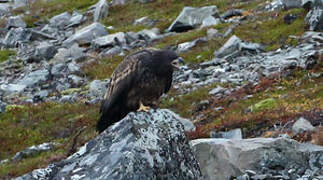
86	35
191	18
110	40
12	88
143	145
35	78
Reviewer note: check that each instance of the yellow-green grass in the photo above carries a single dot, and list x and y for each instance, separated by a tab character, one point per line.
5	54
22	126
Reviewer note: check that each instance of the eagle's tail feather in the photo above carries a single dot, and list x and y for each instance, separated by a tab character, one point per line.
109	116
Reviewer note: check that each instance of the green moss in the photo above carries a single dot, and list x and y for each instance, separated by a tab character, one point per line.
71	91
266	104
5	54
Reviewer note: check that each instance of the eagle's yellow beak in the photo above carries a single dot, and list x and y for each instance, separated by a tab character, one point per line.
178	62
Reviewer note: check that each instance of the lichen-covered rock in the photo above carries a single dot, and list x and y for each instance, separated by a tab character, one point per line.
267	157
141	146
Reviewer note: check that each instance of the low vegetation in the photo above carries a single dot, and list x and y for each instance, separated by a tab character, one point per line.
5	54
25	125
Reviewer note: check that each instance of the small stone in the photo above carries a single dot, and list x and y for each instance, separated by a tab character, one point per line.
217	90
302	125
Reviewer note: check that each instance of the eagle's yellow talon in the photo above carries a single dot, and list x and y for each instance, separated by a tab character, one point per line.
143	108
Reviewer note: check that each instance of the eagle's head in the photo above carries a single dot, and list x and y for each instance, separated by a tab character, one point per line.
166	61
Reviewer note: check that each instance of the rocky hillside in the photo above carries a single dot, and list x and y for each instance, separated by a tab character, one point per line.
253	70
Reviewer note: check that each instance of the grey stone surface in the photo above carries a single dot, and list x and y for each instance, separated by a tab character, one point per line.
302	125
17	36
86	34
72	53
232	134
31	151
35	78
45	50
191	18
314	19
284	4
12	88
225	159
76	19
15	22
101	10
231	12
60	20
4	9
110	40
186	46
97	89
235	44
143	145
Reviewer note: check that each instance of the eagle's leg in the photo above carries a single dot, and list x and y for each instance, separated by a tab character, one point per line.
143	108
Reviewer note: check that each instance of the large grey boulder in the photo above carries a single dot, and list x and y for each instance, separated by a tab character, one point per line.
145	146
225	159
101	10
191	18
86	34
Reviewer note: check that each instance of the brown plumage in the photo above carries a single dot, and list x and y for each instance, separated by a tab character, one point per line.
141	77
